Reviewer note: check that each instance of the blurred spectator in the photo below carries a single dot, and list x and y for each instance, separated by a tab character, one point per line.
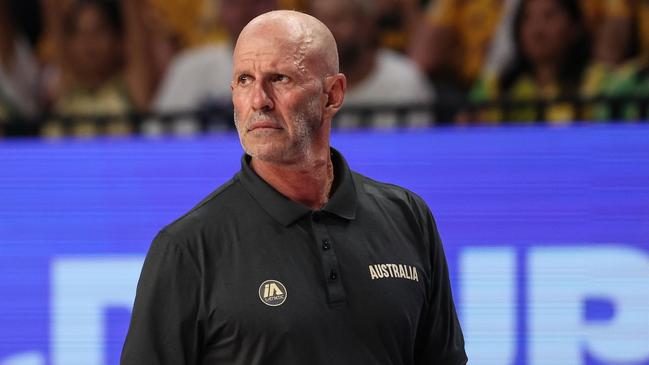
614	31
188	22
632	78
453	40
20	77
550	55
102	65
199	78
454	44
397	20
375	76
615	41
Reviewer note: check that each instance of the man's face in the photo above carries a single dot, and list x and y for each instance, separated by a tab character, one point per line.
278	98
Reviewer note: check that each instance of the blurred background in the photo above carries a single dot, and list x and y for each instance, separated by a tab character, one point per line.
151	67
522	123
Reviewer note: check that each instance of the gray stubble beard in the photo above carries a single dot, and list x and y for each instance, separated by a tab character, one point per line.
306	122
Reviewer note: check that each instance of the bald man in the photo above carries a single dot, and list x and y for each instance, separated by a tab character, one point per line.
297	259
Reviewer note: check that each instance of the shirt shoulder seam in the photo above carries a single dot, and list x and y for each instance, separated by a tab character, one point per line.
210	197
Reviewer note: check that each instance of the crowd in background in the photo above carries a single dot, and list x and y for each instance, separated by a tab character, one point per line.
68	63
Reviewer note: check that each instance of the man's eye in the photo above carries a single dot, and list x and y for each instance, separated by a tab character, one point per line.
244	79
279	78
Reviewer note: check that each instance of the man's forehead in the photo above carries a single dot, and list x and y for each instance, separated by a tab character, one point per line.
271	50
266	48
268	37
252	57
303	38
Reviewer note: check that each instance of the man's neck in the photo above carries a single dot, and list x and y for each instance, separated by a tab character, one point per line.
307	182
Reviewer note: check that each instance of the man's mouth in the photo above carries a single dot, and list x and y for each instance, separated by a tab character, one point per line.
263	125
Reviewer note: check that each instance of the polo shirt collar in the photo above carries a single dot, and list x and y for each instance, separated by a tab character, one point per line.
342	203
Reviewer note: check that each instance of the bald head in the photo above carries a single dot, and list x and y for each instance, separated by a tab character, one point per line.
286	88
313	45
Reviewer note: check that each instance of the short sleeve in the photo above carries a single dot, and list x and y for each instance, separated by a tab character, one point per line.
439	336
165	324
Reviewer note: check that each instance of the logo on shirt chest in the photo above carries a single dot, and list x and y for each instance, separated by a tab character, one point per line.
272	293
399	271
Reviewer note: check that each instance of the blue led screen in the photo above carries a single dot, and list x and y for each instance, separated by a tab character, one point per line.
546	231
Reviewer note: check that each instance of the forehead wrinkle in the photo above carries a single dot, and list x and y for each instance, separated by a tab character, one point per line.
258	58
312	44
280	50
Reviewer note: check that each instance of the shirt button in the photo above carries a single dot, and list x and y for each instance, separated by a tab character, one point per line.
326	245
333	275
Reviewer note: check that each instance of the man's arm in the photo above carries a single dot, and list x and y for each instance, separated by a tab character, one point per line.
165	325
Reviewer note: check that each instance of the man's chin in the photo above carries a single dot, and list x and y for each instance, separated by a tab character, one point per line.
267	152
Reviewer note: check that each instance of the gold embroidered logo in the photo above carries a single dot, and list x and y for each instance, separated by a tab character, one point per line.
272	293
400	271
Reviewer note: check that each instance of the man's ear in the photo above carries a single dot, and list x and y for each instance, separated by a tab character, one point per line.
335	86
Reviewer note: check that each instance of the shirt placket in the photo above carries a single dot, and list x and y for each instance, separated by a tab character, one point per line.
330	265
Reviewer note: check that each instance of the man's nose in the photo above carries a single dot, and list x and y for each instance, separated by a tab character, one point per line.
261	99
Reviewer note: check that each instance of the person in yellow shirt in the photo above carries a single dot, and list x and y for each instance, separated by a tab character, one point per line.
456	35
92	75
551	53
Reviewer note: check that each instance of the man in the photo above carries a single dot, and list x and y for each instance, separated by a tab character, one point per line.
296	260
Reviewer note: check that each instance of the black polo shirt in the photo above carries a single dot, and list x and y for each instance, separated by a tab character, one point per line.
251	277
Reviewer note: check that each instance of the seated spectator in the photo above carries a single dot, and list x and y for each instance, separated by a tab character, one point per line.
551	54
102	68
615	42
613	30
397	21
376	76
19	71
199	78
623	40
612	27
453	40
459	40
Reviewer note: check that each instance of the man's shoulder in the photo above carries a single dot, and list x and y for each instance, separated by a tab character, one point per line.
394	203
382	191
211	211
